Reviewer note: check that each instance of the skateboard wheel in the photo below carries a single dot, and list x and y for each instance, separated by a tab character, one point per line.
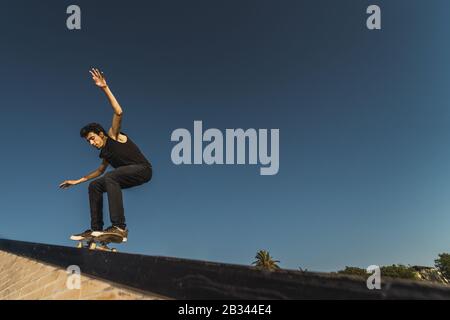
79	245
114	250
93	246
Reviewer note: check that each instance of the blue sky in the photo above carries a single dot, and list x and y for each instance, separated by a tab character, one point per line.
363	116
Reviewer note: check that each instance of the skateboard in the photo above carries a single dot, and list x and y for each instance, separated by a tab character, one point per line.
100	242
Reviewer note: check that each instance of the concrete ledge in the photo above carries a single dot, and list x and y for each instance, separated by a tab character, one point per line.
192	279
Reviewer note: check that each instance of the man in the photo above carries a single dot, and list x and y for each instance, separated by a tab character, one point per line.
131	169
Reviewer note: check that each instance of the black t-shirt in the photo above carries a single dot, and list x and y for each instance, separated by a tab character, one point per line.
122	154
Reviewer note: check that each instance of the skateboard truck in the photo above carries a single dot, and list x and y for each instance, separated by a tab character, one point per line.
100	243
103	246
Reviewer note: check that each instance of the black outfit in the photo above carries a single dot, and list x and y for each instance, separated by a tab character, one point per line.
131	169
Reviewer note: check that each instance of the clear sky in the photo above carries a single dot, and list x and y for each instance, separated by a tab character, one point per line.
364	121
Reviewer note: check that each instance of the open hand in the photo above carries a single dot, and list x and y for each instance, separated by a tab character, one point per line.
67	184
98	77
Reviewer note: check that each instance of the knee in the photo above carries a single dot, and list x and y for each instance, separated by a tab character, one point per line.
94	186
148	176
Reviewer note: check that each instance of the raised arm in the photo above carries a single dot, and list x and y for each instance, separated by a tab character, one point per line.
100	81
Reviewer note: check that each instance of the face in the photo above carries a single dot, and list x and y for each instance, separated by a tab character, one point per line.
95	140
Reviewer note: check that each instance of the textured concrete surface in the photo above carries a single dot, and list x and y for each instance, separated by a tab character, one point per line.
26	279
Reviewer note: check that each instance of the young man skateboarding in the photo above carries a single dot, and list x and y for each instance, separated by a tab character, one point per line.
131	169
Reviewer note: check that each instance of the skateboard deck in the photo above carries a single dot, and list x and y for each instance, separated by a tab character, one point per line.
100	242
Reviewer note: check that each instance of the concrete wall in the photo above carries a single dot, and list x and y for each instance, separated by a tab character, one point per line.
180	278
23	278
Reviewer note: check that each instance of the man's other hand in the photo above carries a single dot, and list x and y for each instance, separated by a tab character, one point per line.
98	77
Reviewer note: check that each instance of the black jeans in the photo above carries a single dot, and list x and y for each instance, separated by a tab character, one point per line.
113	182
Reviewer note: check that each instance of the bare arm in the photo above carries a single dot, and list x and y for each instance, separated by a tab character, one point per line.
100	81
94	174
98	172
90	176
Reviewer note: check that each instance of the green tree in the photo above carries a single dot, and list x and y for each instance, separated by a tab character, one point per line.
265	261
399	271
443	264
393	271
354	271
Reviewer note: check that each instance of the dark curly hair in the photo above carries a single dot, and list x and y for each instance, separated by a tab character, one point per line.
91	127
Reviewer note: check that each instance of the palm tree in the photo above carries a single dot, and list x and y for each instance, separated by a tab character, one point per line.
265	261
